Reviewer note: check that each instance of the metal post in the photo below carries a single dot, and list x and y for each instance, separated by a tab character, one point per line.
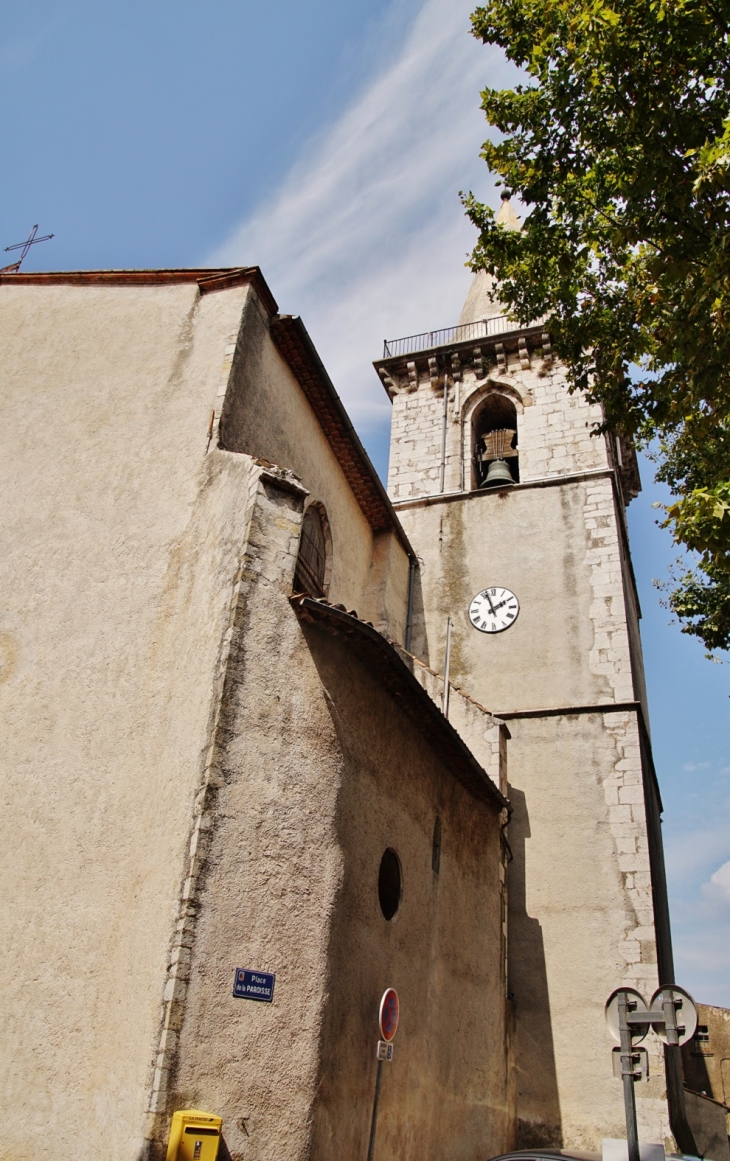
373	1123
627	1075
444	428
670	1021
447	667
412	565
461	453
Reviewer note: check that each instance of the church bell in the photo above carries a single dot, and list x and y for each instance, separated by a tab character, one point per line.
498	473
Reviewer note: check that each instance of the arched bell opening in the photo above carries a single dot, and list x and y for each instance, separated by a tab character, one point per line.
495	457
313	566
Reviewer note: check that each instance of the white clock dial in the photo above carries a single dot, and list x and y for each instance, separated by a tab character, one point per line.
493	610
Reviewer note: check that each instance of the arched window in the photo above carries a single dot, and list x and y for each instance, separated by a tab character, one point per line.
495	442
311	569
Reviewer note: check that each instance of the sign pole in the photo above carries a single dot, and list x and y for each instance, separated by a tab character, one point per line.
670	1018
374	1121
388	1022
673	1016
627	1075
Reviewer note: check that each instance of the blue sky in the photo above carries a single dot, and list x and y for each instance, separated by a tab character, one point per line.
327	142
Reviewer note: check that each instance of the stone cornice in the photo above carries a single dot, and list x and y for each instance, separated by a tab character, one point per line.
400	373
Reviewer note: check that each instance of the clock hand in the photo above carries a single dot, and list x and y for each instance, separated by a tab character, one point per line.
494	614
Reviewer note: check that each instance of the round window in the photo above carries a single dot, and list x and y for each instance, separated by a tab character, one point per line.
389	883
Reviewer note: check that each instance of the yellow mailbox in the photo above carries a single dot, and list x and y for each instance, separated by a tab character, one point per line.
194	1136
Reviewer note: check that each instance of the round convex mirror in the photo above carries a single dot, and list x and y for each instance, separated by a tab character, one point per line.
389	883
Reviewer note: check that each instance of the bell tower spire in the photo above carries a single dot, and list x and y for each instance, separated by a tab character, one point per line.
480	302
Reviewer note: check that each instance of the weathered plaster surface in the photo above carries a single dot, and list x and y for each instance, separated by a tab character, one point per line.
581	923
569	645
706	1067
266	415
484	734
318	772
708	1119
124	566
119	549
446	1093
707	1060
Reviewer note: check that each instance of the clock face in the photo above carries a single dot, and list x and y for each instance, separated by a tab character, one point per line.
493	610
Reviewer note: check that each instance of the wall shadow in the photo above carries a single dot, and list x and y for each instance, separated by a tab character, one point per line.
694	1067
538	1107
445	1093
419	626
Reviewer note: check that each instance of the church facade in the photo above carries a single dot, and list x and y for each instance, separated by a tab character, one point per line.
206	770
262	715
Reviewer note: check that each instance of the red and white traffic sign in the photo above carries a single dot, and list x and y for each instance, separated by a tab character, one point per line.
389	1012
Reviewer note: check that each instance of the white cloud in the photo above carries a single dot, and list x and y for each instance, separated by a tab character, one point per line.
698	870
717	889
690	767
17	52
691	852
701	931
366	237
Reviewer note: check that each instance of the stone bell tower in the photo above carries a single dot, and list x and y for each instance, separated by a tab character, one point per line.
502	489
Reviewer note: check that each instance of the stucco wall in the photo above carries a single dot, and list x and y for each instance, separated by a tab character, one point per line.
557	549
121	558
320	770
266	414
580	922
708	1119
445	1093
706	1058
118	555
484	734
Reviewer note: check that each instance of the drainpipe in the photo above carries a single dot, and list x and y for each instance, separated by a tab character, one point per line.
444	428
412	566
447	668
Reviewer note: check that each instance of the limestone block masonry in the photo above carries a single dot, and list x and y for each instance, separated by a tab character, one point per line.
554	427
587	898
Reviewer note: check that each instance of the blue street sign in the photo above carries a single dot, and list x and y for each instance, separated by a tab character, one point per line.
248	985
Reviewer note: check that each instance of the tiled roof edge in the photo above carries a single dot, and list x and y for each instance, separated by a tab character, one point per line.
208	279
471	774
297	348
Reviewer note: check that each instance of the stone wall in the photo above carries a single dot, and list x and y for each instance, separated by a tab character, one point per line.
266	415
587	909
120	545
122	561
319	770
554	427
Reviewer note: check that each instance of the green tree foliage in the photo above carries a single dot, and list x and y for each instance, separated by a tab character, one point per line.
618	143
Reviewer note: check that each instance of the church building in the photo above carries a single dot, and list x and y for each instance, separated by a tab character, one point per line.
262	716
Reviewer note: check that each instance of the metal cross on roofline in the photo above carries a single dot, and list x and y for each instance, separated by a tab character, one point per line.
24	247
